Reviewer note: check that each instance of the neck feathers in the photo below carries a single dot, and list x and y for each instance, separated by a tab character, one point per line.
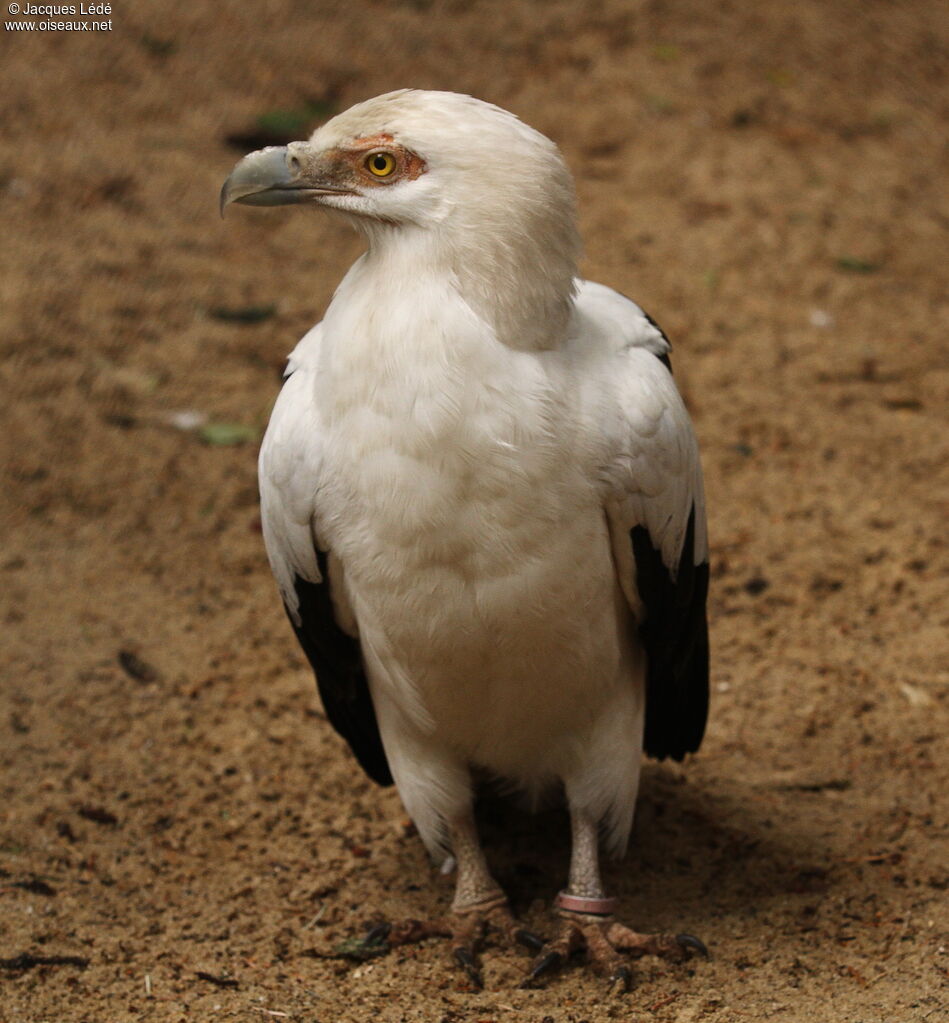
509	247
518	274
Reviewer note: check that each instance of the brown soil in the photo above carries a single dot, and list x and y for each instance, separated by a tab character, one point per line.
769	181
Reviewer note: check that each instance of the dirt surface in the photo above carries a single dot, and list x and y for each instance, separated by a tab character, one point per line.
182	835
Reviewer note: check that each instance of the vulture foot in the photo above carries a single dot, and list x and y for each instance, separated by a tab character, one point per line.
604	939
466	930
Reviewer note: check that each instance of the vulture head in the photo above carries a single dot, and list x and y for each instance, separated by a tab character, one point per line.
445	179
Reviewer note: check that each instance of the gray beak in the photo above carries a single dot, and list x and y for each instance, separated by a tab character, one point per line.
272	177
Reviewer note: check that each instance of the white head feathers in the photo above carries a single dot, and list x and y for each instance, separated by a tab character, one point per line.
470	189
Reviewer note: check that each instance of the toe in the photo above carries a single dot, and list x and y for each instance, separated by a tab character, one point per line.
528	939
547	962
621	980
604	957
636	944
555	953
501	920
466	958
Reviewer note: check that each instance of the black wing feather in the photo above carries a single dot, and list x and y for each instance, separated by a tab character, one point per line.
336	658
675	635
665	358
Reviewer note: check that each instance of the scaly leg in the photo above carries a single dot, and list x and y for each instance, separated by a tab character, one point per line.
479	906
588	922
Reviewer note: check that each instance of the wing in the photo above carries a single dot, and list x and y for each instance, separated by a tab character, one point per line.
656	510
290	473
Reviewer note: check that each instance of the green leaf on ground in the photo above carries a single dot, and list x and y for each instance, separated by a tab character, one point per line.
360	949
224	434
857	266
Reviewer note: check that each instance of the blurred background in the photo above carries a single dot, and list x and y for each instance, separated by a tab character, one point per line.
182	835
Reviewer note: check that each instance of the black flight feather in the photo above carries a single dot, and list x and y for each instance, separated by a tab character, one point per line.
336	658
664	358
675	634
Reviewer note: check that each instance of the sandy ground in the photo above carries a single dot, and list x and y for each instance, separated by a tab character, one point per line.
182	835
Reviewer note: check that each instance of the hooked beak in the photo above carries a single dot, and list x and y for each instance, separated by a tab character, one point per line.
274	177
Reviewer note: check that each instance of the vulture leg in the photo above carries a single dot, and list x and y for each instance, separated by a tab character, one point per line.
587	920
479	907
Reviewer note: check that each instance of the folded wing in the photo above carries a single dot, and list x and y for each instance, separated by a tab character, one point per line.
291	487
656	509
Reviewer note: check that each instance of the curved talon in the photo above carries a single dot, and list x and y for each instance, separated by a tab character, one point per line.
548	962
529	939
622	978
466	960
689	941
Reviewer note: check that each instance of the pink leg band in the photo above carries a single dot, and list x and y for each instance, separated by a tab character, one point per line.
581	904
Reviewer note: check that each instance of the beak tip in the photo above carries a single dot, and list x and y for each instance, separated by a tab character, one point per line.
257	179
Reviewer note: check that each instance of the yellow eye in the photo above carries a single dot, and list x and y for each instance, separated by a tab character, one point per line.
380	164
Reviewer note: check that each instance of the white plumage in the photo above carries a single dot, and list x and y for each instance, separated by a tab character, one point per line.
471	460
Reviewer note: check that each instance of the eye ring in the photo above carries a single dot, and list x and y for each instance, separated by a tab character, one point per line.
381	164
